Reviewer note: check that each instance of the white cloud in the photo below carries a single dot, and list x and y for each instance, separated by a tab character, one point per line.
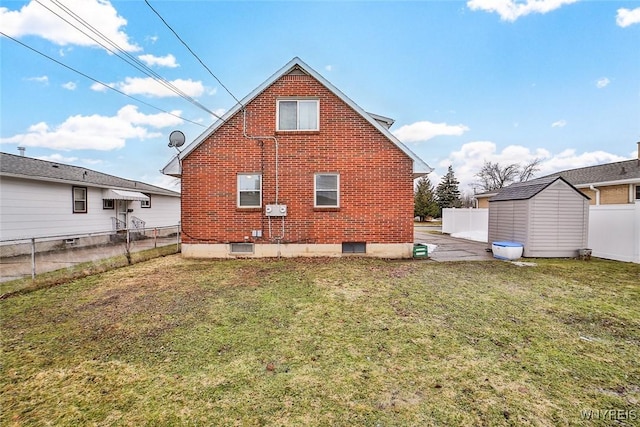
559	124
510	10
35	19
161	61
468	160
425	130
42	79
70	86
603	82
626	17
103	133
150	87
163	181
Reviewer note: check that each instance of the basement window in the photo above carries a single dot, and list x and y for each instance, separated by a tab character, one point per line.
298	114
354	247
242	248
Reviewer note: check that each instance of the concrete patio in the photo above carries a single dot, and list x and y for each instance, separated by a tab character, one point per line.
450	248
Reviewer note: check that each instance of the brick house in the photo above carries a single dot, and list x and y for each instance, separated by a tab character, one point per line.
297	169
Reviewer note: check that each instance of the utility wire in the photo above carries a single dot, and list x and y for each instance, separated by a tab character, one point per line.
119	52
98	81
192	52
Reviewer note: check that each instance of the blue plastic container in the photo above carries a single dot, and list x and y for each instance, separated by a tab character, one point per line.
507	250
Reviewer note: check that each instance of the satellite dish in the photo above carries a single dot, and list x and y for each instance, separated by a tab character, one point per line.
176	139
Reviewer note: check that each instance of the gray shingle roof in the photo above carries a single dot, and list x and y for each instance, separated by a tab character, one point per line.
610	172
528	189
28	167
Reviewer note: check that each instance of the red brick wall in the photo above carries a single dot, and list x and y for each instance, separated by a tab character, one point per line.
376	180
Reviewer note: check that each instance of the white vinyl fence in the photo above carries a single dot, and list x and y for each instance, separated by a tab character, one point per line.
464	220
614	230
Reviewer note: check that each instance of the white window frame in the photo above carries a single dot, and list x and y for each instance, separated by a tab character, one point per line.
146	204
108	204
84	199
298	101
239	190
315	189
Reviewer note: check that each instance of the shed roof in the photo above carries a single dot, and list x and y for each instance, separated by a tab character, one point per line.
611	173
379	122
12	165
528	189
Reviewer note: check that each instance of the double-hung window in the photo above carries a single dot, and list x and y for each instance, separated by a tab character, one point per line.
249	190
298	114
79	199
327	190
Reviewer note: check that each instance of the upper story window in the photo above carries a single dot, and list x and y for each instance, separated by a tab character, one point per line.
249	190
298	114
79	199
327	190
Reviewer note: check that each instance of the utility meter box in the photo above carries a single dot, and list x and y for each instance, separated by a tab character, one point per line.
276	210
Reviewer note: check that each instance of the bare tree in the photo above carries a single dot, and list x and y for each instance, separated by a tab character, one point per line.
494	176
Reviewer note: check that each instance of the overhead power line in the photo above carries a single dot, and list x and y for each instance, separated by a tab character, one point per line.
192	52
116	50
98	81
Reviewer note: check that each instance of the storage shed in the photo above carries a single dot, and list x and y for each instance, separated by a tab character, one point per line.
548	216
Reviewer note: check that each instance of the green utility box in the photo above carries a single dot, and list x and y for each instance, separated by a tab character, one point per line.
420	251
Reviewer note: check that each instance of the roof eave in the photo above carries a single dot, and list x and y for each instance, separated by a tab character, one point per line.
420	168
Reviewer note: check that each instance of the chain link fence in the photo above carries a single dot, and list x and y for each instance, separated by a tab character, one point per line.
24	258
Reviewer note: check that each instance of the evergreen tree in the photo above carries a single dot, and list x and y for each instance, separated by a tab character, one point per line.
424	200
447	193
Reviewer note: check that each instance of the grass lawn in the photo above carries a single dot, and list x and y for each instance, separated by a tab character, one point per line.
327	342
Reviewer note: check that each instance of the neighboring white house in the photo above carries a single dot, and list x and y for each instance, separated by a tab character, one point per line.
40	198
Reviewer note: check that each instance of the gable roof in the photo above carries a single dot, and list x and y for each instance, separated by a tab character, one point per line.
627	171
528	189
12	165
381	123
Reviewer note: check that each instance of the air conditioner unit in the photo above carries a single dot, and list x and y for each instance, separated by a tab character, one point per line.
276	210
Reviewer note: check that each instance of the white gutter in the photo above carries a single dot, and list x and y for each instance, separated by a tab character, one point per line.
597	191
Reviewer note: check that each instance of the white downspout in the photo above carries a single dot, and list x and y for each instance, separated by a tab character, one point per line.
597	191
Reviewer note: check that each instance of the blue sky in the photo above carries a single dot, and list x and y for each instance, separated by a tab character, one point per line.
466	81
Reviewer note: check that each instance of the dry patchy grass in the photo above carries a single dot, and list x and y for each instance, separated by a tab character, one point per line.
325	342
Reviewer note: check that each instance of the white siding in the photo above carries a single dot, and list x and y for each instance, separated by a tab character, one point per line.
164	211
37	209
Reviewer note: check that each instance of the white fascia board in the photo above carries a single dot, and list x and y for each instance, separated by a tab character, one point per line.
608	183
420	168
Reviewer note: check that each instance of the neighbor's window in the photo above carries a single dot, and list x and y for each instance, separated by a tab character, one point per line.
301	114
108	204
326	190
249	190
146	203
79	199
637	192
